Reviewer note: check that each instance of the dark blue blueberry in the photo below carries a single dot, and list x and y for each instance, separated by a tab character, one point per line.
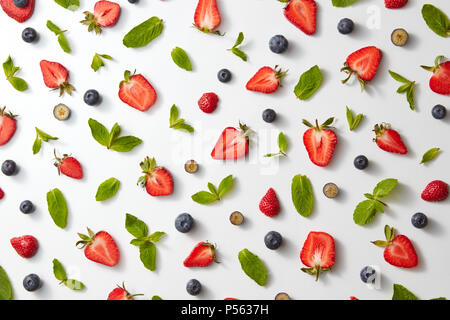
224	75
345	26
133	1
419	220
29	35
278	44
361	162
9	167
273	240
368	274
193	287
27	206
439	111
184	222
20	3
91	97
31	282
269	115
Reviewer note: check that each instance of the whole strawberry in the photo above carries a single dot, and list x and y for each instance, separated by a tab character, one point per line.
56	77
25	246
202	255
440	81
269	204
395	4
105	14
388	139
208	102
318	253
69	166
7	126
364	63
399	251
266	80
156	180
99	247
120	293
436	190
320	142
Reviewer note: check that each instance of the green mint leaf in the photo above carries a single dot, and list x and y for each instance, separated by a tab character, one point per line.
37	145
403	88
10	70
97	61
408	87
436	20
99	132
114	133
136	227
125	144
235	50
183	126
401	293
173	114
142	34
44	136
74	284
356	121
302	195
147	253
213	189
53	27
181	59
63	43
156	236
364	212
225	185
384	187
178	124
156	298
6	291
107	189
137	242
57	207
343	3
282	142
430	155
410	96
308	83
253	266
69	4
18	83
398	77
239	39
204	197
440	298
59	271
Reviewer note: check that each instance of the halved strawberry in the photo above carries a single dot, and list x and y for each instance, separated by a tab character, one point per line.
7	126
232	143
56	76
120	293
99	247
388	139
68	166
320	142
18	14
269	204
364	62
436	190
440	81
302	14
105	14
318	253
207	16
395	4
137	92
399	251
156	180
266	80
202	255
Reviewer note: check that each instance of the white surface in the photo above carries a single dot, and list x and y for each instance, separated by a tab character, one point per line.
259	20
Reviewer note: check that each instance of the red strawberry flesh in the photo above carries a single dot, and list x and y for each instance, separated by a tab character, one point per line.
302	14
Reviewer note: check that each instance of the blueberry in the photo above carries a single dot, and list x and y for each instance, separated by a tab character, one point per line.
31	282
20	3
9	167
273	240
419	220
26	206
91	97
133	1
29	35
224	75
345	26
193	287
361	162
439	111
368	274
269	115
184	222
278	44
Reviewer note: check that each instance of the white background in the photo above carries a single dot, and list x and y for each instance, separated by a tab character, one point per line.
259	20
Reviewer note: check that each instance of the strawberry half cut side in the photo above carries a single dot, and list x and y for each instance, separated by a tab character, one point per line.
202	255
136	91
121	293
232	144
99	247
266	80
105	14
320	141
7	126
388	139
364	62
207	16
318	253
56	77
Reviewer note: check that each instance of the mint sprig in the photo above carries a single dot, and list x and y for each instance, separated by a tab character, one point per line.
253	267
10	70
62	40
181	59
146	243
6	291
282	145
408	87
214	194
366	210
41	136
97	61
430	155
353	122
176	123
112	139
235	50
61	275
